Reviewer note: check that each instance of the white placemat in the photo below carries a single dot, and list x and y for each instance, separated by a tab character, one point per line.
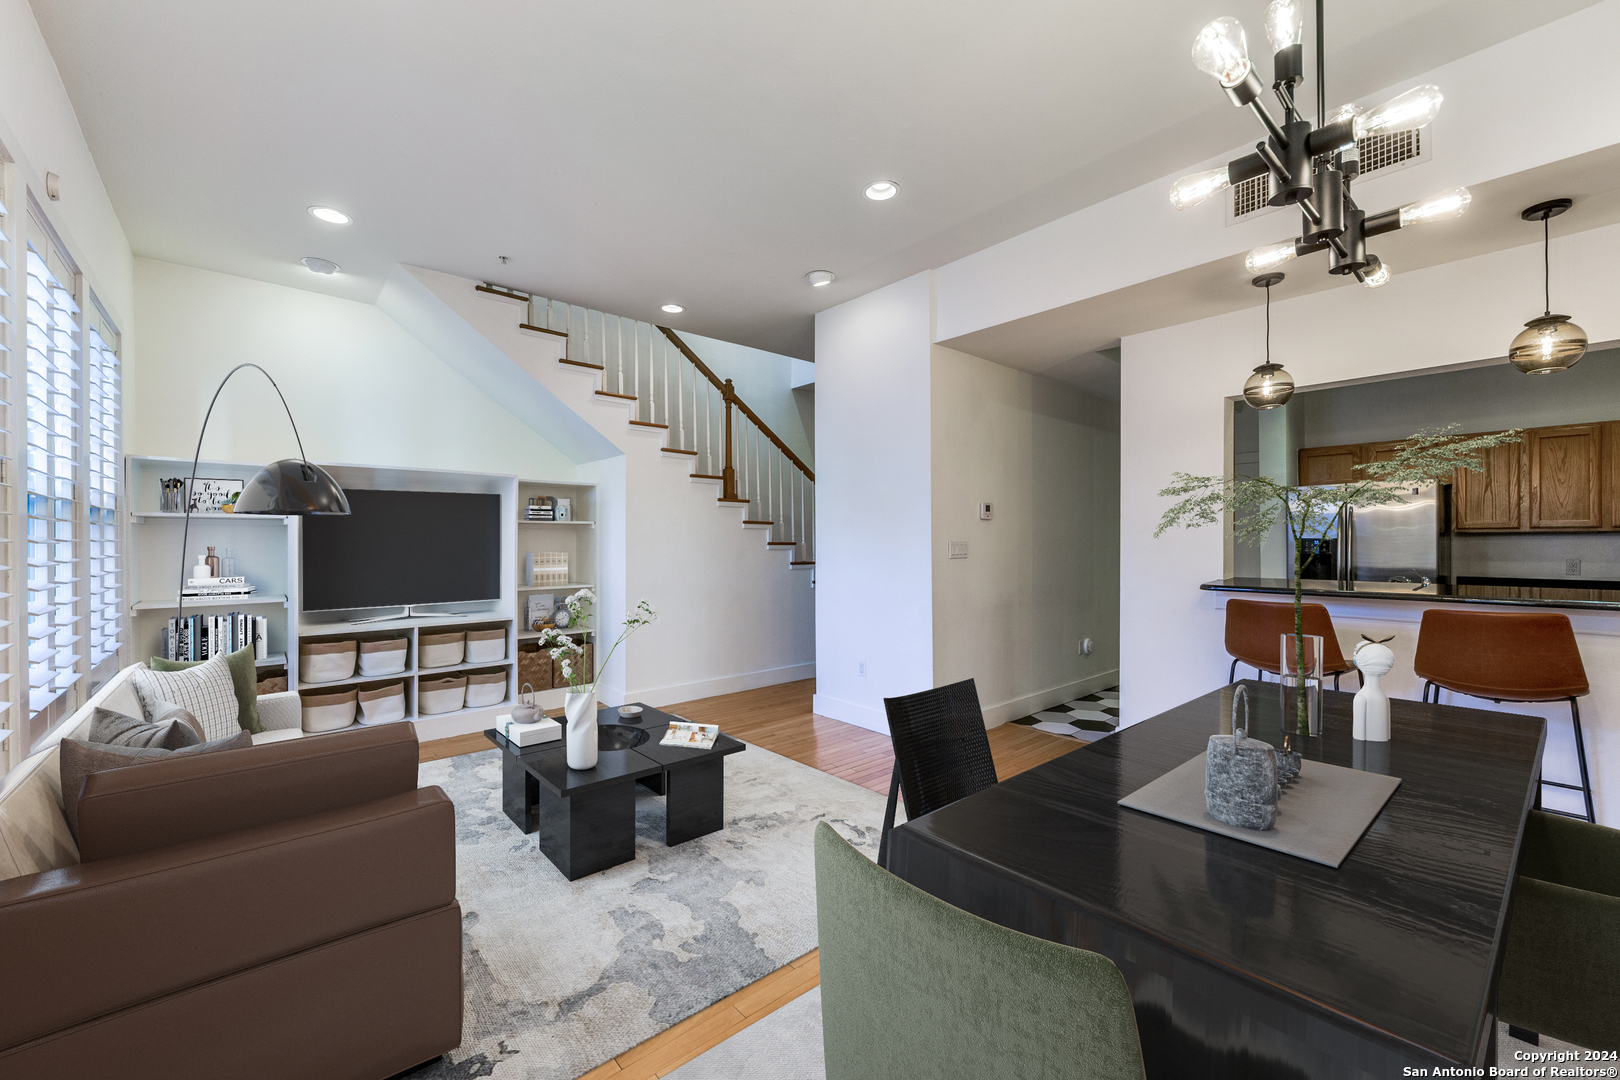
1320	816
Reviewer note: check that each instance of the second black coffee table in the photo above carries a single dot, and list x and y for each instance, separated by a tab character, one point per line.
586	818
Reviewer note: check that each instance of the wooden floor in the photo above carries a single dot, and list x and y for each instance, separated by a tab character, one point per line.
778	719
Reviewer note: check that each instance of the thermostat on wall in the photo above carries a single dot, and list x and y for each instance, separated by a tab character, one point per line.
984	511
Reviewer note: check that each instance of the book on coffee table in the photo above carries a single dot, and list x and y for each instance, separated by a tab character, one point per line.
685	733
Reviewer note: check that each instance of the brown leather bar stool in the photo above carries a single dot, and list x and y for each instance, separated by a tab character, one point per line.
1254	632
1507	657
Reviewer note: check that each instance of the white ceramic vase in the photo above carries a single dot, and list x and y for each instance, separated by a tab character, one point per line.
580	712
1370	713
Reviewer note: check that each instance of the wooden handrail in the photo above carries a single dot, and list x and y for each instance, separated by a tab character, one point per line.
729	395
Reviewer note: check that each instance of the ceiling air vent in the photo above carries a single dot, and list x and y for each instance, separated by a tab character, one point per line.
1379	154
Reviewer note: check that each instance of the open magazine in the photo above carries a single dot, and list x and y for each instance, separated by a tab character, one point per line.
685	733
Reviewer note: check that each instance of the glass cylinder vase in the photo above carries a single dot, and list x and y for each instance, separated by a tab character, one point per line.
1301	677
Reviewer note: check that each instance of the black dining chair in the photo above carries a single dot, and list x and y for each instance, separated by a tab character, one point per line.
941	752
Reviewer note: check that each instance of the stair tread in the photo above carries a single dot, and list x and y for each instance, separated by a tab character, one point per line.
541	329
803	562
739	502
502	293
781	543
678	450
580	363
748	522
611	394
705	476
649	423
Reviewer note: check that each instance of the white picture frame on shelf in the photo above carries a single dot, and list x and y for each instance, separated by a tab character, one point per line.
539	609
210	495
564	510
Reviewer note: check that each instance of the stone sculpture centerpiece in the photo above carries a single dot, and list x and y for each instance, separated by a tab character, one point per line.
1240	775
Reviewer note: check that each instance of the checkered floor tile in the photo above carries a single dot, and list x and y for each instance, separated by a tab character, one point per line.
1085	719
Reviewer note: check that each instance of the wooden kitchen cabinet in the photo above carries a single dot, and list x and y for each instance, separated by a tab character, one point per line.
1566	476
1328	465
1611	474
1488	499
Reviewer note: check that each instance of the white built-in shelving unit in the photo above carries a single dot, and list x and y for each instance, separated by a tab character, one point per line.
267	553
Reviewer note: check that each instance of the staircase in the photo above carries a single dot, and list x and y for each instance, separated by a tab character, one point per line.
667	388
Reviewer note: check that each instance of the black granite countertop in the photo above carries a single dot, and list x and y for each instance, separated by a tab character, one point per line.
1515	594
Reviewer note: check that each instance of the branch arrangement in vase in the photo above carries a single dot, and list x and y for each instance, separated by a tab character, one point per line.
569	654
1254	504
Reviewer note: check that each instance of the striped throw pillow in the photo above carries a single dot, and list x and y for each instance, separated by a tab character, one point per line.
205	691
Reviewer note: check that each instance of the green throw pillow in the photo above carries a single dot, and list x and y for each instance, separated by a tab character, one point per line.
244	680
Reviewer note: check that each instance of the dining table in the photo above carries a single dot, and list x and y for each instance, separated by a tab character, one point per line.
1243	961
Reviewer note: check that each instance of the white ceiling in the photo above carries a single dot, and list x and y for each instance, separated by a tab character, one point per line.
625	155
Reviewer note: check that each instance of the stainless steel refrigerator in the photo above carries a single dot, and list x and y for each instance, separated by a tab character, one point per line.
1408	541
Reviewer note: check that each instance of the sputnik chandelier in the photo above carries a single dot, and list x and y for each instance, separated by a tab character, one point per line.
1311	166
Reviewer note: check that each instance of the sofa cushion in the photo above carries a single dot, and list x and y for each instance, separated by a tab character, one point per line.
244	680
34	835
173	729
205	690
80	759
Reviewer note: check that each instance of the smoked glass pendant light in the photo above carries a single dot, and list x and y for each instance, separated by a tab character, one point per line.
1269	386
1549	343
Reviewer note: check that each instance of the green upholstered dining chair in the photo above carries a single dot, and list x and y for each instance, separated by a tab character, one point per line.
1561	966
915	989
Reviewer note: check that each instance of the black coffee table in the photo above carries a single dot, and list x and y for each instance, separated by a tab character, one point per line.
586	818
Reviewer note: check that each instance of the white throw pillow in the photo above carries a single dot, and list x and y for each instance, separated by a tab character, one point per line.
205	691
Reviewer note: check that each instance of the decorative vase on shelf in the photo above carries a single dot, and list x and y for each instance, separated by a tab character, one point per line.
580	711
1371	708
1297	680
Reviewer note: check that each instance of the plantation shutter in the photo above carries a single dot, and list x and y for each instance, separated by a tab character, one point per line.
54	338
104	482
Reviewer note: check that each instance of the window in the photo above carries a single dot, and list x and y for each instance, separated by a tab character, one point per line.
11	752
103	484
54	339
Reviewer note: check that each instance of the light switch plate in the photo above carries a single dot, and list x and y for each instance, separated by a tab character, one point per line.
958	549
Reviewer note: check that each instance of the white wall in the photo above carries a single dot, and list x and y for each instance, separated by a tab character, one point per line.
1180	380
1043	572
362	390
41	132
765	381
874	579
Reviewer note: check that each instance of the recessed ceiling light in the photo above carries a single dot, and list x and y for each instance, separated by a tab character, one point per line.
329	215
881	190
818	278
674	309
322	266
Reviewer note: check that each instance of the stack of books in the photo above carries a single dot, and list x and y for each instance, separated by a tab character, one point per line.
541	508
203	637
225	586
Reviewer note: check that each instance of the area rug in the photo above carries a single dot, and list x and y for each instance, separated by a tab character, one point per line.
786	1045
562	976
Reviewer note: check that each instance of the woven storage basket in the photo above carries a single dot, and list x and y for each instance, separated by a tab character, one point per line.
441	650
486	688
440	695
534	667
329	710
386	657
583	663
326	661
383	705
486	646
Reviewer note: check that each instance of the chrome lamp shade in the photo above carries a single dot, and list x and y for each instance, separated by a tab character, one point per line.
292	486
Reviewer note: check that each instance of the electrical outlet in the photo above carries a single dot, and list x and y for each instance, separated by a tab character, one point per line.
863	669
958	549
1572	567
984	511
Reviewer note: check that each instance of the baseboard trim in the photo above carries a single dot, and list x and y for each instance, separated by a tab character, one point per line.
851	713
1018	708
726	684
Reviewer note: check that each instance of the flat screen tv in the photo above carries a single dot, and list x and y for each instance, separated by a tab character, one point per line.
397	548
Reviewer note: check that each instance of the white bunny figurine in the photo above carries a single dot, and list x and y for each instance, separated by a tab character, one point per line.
1371	709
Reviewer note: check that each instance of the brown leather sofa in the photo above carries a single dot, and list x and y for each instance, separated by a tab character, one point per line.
283	911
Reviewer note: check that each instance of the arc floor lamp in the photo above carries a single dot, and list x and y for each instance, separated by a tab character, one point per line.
289	486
